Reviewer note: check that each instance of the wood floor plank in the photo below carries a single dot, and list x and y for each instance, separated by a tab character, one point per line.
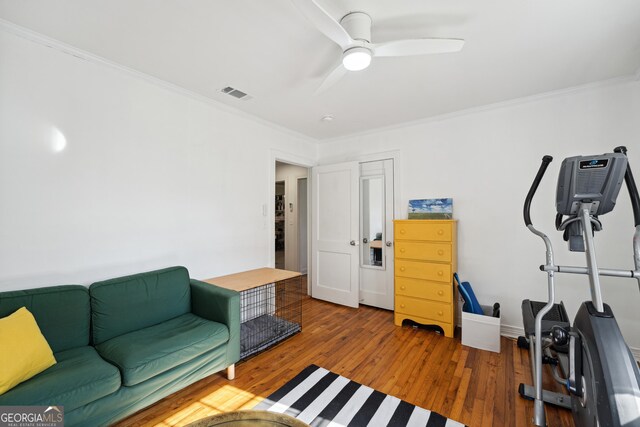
473	386
461	395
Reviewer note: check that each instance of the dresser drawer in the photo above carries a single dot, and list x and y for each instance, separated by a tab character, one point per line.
423	270
423	289
437	231
425	251
423	308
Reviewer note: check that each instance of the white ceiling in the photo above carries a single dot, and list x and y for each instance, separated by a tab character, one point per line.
268	49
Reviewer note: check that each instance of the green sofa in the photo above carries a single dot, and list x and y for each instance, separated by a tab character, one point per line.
125	343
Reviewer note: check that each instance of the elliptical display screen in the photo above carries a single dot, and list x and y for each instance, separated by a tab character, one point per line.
594	164
593	180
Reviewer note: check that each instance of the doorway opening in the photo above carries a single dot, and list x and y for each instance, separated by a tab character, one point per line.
291	217
303	226
279	224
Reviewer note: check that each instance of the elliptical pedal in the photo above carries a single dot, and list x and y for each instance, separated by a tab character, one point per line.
557	316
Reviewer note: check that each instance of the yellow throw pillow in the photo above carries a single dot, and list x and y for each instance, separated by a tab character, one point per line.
24	352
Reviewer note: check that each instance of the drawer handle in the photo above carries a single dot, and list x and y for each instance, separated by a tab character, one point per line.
401	305
440	293
440	313
401	268
403	288
440	273
402	250
440	252
440	232
402	231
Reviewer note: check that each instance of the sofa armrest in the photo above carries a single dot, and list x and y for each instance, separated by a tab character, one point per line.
220	305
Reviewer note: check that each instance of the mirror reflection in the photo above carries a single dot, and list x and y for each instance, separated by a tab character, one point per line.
372	220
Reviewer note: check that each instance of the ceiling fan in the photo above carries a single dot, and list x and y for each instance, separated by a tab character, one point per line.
353	34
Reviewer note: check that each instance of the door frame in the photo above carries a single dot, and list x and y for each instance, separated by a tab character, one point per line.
400	212
270	206
308	219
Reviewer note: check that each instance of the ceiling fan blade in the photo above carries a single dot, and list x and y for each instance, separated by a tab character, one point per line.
418	47
331	79
324	22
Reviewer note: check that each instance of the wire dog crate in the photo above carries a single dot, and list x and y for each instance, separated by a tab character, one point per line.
270	306
269	314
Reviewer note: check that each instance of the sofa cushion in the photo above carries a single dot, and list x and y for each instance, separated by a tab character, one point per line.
130	303
62	313
79	377
142	354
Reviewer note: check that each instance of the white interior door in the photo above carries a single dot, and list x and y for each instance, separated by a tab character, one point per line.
335	259
376	233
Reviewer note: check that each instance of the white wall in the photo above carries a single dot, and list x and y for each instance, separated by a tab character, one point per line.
290	174
149	177
486	160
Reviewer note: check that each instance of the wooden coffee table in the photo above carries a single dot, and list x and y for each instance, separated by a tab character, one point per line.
249	419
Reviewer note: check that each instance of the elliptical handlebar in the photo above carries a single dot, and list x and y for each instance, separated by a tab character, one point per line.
534	187
631	186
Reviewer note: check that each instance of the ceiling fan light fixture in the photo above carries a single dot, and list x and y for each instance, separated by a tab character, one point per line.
356	58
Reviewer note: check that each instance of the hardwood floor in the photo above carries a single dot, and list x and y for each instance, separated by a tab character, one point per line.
472	386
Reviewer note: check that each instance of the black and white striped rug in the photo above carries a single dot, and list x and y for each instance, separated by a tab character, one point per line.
322	398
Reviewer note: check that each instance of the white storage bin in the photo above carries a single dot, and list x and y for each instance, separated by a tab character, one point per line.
481	332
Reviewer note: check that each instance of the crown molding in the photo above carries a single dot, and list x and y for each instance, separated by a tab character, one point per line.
60	46
47	41
489	107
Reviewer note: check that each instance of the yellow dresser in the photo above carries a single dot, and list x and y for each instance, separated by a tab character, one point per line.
425	260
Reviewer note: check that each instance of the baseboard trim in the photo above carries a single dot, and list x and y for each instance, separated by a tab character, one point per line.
510	331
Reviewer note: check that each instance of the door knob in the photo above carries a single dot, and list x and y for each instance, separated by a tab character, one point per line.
388	243
353	243
365	240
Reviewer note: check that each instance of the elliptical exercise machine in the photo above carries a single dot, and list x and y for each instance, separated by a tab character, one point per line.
591	357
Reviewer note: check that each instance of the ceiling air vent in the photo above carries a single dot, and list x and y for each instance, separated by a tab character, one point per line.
235	93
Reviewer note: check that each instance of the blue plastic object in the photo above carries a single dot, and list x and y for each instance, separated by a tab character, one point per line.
471	304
